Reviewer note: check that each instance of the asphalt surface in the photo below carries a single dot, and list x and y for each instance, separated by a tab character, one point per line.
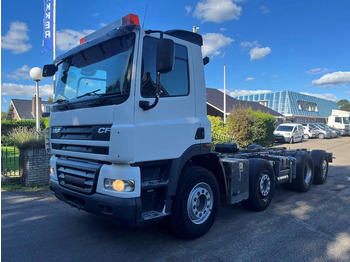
312	226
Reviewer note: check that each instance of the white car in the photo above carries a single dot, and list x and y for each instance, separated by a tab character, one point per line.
289	133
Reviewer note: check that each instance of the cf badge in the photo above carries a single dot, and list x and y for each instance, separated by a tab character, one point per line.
104	130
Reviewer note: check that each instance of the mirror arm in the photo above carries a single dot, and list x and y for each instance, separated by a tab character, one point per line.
145	104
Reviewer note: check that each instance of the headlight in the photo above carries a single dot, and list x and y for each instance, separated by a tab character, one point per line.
52	170
119	185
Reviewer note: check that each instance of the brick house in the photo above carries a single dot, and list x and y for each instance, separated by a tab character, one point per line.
20	109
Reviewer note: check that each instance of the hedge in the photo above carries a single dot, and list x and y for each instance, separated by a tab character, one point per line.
8	125
251	127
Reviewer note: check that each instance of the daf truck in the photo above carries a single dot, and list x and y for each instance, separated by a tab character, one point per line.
131	142
340	120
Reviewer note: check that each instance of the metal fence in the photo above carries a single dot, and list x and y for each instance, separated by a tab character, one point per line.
10	162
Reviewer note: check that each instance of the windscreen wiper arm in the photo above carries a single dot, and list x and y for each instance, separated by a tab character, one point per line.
90	93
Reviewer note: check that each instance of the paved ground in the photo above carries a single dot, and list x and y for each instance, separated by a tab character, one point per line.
312	226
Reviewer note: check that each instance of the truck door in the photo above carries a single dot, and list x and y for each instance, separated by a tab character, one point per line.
168	129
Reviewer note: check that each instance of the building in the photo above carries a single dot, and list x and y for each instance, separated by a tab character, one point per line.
20	109
296	107
215	105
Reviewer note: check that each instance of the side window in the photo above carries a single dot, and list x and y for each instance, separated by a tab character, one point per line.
174	83
338	120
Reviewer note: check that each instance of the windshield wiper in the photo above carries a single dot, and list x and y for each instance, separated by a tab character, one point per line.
90	93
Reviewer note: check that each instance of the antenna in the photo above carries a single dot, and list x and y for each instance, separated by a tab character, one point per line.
144	16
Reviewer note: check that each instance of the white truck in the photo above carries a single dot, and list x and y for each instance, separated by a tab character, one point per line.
340	120
131	142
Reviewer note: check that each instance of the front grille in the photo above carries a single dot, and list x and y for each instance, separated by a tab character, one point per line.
97	133
78	175
61	137
104	150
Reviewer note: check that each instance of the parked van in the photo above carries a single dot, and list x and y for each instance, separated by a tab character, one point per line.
289	133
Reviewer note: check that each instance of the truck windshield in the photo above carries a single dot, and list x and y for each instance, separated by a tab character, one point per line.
285	128
345	120
98	72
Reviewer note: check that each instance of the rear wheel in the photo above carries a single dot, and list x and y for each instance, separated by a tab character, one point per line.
306	136
319	159
261	184
196	203
305	172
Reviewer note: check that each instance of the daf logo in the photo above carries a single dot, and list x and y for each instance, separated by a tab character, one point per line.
104	130
56	130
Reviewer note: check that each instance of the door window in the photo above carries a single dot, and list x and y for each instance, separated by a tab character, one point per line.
174	83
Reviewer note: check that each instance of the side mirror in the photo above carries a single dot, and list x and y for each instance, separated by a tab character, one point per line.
49	70
165	55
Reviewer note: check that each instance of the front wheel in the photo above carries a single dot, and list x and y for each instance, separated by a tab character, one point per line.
261	184
196	203
321	136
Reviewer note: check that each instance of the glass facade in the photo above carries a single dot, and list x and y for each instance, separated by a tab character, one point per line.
295	104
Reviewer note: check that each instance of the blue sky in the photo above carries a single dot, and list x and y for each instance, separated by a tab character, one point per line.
298	45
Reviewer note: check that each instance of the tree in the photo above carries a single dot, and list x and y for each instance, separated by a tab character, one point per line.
3	115
50	99
344	104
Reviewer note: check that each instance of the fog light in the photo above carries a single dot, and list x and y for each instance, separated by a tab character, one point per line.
119	185
52	170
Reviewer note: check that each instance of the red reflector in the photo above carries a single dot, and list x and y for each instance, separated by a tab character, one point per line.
131	19
82	40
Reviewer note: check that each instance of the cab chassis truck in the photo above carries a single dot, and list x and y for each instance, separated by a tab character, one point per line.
131	142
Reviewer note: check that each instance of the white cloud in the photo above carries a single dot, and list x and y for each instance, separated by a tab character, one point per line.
217	11
317	71
222	29
264	9
213	42
20	73
240	92
11	89
327	96
247	44
4	101
249	79
188	9
333	79
16	39
259	52
68	38
96	14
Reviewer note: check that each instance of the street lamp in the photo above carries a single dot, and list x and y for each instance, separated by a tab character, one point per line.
37	74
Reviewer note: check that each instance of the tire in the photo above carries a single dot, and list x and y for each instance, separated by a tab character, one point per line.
196	203
320	161
321	136
261	185
291	141
306	136
305	172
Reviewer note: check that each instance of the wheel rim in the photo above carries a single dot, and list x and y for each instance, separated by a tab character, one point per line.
308	173
324	168
265	184
200	203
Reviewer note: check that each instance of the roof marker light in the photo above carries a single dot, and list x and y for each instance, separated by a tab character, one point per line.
131	19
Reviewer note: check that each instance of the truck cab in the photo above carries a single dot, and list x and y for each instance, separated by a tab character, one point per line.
107	144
